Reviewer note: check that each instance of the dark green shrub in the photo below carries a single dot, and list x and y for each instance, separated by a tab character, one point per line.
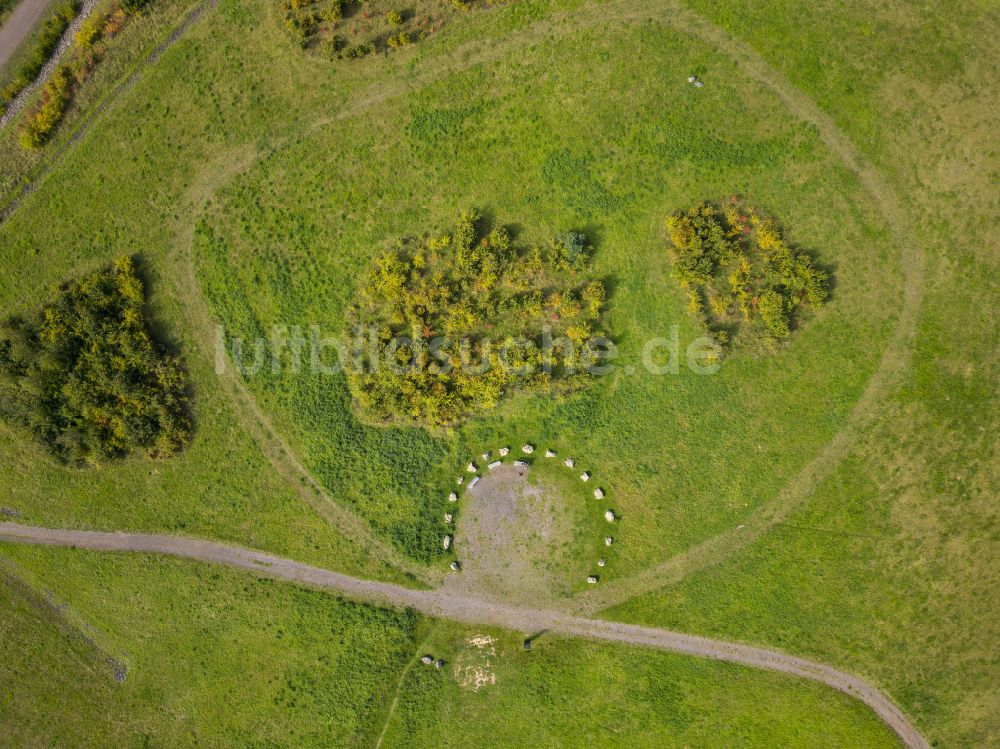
738	267
85	375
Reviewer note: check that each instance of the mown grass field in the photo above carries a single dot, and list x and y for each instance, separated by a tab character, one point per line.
572	693
278	174
891	567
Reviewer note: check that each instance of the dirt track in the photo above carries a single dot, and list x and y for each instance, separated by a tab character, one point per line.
470	609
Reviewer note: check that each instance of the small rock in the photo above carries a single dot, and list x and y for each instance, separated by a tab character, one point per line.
426	660
453	497
472	468
486	455
527	449
495	464
585	476
569	462
455	566
601	562
550	453
609	516
691	79
448	517
592	579
698	84
475	480
446	543
504	451
459	480
608	540
118	669
439	663
598	493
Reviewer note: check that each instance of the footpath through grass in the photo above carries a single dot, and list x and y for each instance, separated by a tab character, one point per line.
684	455
217	657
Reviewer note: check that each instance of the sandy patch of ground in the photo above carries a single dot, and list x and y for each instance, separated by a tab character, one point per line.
474	665
513	539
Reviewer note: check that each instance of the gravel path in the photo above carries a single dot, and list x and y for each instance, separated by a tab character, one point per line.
471	609
64	43
19	25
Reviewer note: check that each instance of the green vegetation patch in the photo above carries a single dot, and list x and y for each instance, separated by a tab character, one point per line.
574	693
213	656
285	242
738	268
86	376
352	29
456	322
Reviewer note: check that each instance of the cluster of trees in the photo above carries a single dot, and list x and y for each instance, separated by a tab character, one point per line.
738	267
88	49
449	325
86	377
352	29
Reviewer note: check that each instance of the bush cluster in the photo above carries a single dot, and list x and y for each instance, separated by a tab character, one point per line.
475	289
305	19
85	375
739	268
48	112
352	29
396	41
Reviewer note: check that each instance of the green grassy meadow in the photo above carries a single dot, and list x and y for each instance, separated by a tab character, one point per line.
255	181
285	241
213	657
573	693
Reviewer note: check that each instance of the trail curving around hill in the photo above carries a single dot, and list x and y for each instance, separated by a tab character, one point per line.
469	608
894	360
712	551
895	355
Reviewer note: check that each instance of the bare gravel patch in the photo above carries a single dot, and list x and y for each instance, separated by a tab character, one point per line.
512	538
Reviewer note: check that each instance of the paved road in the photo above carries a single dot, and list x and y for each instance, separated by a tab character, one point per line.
472	609
19	25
